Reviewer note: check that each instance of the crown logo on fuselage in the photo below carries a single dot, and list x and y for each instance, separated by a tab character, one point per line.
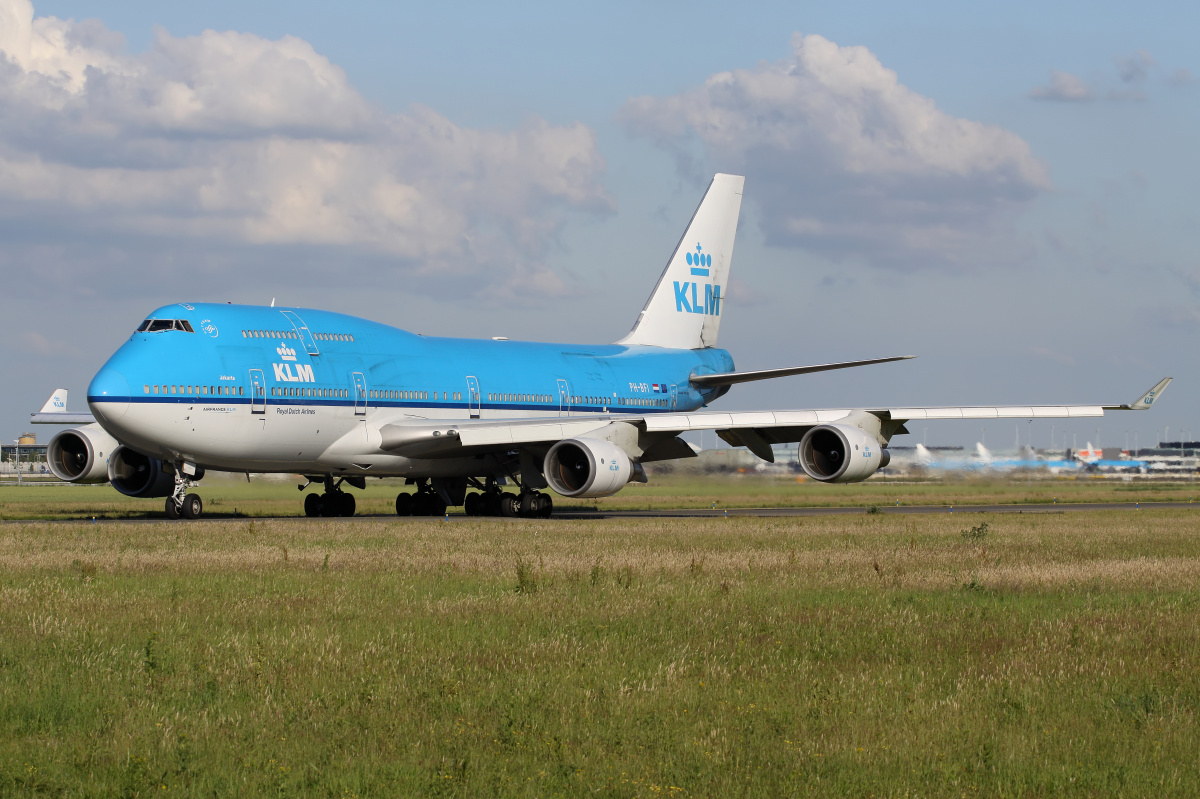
286	352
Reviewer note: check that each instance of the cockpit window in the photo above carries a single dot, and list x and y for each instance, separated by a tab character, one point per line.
159	325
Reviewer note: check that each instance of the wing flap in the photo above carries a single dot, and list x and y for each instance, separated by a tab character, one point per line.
507	433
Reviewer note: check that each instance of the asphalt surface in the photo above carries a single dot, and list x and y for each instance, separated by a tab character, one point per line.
701	513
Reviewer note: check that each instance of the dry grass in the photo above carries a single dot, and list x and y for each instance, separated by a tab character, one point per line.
867	655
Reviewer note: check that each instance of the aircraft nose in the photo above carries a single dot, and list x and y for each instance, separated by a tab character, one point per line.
108	395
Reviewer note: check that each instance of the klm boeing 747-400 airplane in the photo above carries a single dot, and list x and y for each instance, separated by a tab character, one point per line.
201	387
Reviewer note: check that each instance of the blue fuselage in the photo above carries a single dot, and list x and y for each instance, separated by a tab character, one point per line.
223	383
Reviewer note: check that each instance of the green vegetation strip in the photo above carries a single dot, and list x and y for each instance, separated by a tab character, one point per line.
870	655
274	497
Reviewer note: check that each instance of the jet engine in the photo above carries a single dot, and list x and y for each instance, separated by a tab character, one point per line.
80	454
137	475
587	467
836	453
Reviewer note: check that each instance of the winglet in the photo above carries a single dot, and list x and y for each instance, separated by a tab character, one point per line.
1146	400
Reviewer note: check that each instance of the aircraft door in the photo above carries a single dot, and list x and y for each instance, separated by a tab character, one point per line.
258	392
473	396
674	396
360	394
564	398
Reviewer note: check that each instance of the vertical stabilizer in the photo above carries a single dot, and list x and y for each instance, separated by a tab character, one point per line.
684	311
57	402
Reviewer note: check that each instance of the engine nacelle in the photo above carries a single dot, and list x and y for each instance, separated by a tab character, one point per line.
137	475
81	454
587	467
836	453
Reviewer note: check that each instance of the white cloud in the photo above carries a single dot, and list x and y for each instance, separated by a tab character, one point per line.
844	158
1181	76
1134	68
233	137
1064	87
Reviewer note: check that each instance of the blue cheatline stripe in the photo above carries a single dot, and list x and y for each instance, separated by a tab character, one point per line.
628	410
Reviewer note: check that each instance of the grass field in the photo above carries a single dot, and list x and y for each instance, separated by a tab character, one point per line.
265	498
865	655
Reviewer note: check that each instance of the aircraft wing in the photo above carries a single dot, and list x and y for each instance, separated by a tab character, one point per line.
756	430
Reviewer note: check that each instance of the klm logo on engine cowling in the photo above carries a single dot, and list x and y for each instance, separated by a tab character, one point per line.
292	373
688	296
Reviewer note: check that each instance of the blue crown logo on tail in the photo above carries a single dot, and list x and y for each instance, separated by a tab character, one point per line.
687	295
699	262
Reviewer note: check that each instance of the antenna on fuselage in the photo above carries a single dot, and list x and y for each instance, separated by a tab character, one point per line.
272	302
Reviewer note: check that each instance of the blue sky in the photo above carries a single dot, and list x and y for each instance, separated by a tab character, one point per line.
1016	205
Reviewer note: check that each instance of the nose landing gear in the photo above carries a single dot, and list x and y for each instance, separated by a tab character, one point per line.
181	504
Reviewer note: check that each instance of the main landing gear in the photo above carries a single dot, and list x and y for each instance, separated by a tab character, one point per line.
490	501
425	502
528	504
181	504
334	502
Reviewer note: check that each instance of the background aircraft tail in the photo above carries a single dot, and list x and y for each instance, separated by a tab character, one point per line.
684	311
57	402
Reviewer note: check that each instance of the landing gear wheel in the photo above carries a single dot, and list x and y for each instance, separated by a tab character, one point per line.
193	507
329	504
437	505
528	505
491	503
510	505
346	504
172	508
404	505
421	505
312	505
473	505
545	506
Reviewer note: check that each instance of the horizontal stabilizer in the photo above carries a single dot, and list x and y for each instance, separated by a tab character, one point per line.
61	418
1146	400
729	378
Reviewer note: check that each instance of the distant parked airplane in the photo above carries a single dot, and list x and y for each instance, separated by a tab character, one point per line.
983	460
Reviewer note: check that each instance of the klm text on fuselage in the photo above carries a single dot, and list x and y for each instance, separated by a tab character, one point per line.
687	298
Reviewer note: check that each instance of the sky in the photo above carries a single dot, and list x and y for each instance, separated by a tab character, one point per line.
1004	189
